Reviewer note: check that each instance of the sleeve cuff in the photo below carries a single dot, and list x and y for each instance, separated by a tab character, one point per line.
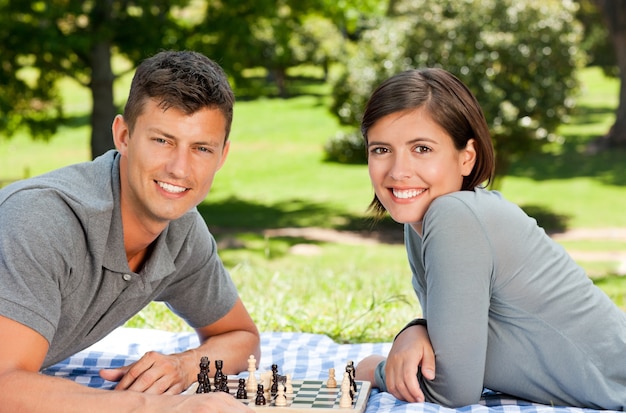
416	322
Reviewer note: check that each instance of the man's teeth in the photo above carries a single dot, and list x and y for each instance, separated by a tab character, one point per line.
172	188
408	193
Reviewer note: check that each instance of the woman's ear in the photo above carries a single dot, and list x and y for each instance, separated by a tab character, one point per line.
468	157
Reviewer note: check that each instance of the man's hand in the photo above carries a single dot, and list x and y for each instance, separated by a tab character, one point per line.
154	373
410	350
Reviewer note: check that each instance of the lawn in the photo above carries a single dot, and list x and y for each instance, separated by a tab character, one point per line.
276	177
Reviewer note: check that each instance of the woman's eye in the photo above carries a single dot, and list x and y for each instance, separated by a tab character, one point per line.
422	149
378	150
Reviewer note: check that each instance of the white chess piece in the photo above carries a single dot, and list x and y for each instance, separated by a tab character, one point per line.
331	383
288	385
345	400
266	379
281	400
251	383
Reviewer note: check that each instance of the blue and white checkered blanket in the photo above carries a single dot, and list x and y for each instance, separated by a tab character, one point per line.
304	356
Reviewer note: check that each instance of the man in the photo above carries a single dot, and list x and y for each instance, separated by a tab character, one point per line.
84	248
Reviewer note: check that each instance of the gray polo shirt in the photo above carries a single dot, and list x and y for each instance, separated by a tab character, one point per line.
63	267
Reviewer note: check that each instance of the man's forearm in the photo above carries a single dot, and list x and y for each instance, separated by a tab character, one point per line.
27	392
24	391
233	348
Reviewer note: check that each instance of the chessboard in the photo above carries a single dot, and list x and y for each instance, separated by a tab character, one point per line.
274	391
307	395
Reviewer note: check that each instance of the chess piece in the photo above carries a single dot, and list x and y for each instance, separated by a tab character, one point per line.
241	390
266	379
274	388
260	397
200	388
280	400
346	398
218	371
224	384
204	385
288	384
351	371
252	383
331	383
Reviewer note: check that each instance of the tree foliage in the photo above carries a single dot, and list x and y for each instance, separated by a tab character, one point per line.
276	34
614	15
518	57
44	41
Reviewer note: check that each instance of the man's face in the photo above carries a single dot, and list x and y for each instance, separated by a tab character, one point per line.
168	161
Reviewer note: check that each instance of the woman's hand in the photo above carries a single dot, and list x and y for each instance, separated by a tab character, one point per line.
411	350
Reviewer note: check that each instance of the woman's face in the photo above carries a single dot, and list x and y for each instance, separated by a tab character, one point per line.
412	161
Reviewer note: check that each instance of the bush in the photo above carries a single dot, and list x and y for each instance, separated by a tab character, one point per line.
519	57
346	147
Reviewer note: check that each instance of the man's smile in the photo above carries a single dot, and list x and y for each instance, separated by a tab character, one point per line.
174	189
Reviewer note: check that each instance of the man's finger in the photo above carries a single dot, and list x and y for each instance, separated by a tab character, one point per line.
113	374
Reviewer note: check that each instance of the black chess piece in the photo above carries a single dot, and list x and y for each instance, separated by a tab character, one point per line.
351	371
241	390
218	370
219	378
260	397
204	385
224	384
275	379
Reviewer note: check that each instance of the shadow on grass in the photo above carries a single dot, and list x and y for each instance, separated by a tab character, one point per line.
235	215
572	160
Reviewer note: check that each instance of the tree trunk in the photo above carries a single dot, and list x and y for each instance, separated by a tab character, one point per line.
104	110
614	14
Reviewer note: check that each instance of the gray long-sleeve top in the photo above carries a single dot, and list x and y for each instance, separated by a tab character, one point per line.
509	310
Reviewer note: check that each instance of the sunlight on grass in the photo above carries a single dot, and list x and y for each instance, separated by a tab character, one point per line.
275	176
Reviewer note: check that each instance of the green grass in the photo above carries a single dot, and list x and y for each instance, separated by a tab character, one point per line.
275	177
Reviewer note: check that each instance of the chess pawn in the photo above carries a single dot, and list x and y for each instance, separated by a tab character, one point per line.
280	400
260	397
241	390
200	388
332	382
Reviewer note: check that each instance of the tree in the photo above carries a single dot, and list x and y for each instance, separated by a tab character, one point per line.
277	34
614	13
518	57
44	41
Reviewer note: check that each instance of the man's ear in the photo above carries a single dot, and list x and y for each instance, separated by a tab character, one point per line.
468	157
121	134
224	154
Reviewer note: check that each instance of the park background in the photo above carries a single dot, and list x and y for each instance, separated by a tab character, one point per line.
288	208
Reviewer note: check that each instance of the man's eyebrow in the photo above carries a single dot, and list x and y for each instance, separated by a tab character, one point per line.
173	137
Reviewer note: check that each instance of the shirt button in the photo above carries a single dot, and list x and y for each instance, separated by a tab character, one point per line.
127	277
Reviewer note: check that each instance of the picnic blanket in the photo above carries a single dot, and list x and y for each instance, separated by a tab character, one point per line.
304	356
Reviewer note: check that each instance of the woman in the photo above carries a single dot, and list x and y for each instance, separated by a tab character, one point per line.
504	307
